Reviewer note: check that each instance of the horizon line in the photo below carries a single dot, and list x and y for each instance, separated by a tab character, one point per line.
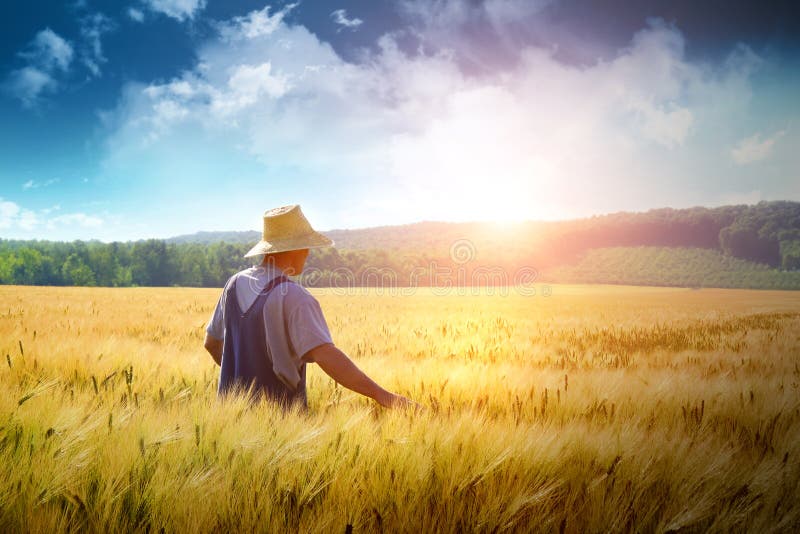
424	221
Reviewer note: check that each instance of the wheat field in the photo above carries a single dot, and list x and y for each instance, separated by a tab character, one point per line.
593	409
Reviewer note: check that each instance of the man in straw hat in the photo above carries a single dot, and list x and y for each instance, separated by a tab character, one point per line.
266	328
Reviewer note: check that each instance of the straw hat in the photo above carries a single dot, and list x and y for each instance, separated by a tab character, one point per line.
286	228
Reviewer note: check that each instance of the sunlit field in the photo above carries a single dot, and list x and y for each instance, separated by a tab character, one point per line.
592	409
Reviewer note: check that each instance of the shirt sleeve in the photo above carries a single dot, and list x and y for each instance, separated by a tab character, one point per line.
216	326
306	326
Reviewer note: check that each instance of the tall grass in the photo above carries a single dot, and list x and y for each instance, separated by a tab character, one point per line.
594	409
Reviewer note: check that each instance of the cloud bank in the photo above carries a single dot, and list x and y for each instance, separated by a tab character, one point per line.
451	128
47	55
22	221
49	59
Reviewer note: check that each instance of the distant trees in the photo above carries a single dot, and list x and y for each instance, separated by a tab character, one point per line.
744	241
75	272
31	267
767	234
143	263
762	233
151	265
790	254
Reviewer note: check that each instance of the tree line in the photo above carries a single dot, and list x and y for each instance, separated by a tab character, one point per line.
158	263
766	234
143	263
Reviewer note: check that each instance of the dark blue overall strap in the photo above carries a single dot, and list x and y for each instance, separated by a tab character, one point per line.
245	355
264	292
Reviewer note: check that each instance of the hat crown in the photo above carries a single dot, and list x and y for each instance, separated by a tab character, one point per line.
286	228
286	222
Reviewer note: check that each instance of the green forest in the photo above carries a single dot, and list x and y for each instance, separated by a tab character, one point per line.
754	246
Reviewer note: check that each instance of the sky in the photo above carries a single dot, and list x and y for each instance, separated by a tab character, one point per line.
130	119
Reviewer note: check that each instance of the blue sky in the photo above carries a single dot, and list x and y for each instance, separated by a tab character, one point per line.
151	118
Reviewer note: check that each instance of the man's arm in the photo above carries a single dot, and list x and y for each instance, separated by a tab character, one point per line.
214	347
338	366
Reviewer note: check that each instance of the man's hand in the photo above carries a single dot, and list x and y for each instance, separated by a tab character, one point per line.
214	347
403	403
338	366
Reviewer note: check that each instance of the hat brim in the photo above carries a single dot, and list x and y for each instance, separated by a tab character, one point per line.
313	240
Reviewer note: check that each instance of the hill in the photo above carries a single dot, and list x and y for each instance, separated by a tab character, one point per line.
731	246
428	235
767	232
206	238
671	266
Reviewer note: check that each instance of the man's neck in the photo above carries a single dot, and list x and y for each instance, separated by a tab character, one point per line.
276	266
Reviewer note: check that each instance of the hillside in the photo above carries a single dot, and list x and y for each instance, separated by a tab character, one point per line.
671	266
767	232
426	235
206	238
729	246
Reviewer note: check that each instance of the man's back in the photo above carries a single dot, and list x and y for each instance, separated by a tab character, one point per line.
267	327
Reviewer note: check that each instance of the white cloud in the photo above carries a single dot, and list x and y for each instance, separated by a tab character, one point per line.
255	24
33	184
51	209
13	216
93	27
179	10
247	84
754	148
8	212
21	221
167	105
49	51
340	17
47	54
75	219
28	84
668	127
534	136
49	59
135	14
27	220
